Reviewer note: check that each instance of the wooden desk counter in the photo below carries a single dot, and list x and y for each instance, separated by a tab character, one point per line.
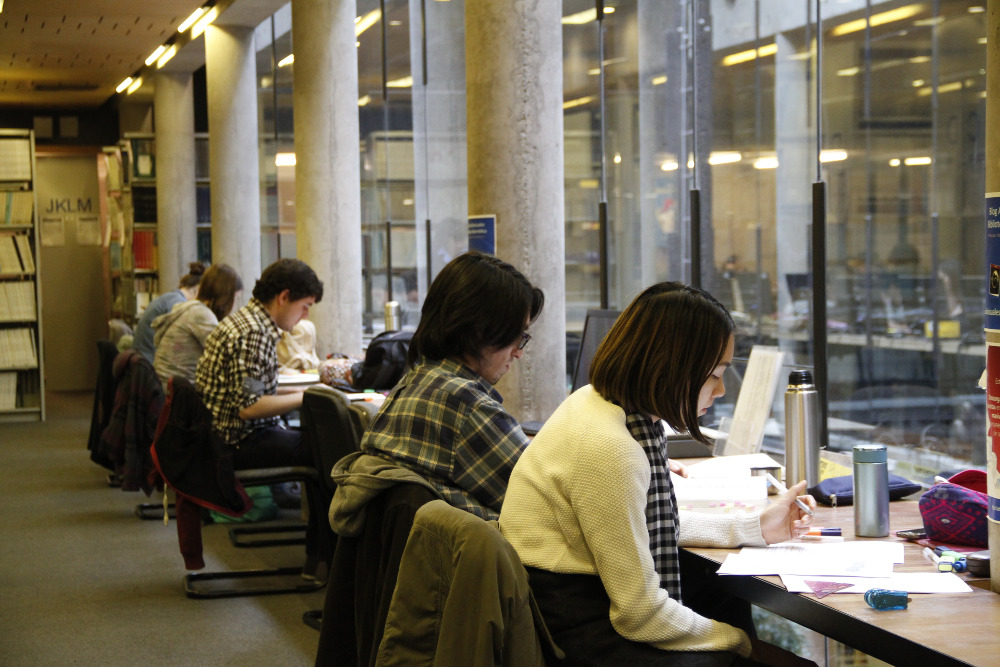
936	629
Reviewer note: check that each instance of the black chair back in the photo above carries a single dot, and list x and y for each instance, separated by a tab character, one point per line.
104	401
329	428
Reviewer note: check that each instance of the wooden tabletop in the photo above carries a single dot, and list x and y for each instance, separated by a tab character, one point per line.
935	629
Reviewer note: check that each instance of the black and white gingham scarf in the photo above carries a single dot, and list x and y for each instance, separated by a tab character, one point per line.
661	506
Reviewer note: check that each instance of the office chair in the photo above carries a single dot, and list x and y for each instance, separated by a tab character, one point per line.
131	426
191	458
333	425
363	577
104	400
462	598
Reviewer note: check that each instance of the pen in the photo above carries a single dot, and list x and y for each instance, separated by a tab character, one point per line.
781	489
809	537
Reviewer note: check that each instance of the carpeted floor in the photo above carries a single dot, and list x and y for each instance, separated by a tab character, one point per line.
83	581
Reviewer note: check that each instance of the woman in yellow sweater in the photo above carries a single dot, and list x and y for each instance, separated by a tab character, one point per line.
590	507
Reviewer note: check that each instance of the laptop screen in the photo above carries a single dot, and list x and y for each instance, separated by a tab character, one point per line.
595	328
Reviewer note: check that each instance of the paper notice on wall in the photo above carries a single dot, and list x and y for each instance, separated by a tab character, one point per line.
53	230
88	230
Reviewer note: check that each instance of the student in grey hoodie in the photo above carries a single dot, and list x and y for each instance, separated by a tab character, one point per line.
180	335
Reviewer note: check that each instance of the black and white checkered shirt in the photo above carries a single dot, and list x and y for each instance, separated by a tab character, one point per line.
238	366
661	506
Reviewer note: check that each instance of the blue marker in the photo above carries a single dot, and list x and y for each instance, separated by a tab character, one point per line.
886	600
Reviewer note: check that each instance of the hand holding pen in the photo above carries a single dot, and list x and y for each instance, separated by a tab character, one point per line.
789	516
781	489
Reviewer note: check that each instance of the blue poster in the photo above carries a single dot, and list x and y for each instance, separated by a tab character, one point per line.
993	260
483	234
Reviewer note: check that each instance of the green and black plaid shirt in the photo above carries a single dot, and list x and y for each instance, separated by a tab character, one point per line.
447	424
238	366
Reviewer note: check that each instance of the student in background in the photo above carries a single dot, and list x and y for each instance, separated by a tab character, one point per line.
591	511
142	339
179	336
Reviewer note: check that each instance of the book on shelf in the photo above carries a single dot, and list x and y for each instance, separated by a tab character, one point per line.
15	159
8	391
144	249
24	252
113	164
16	208
143	157
10	264
144	203
17	348
17	301
115	256
148	284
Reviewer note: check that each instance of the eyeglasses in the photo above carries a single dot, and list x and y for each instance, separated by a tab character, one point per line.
525	337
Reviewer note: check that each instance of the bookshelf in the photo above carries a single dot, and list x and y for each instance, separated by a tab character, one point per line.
203	194
21	379
127	183
141	188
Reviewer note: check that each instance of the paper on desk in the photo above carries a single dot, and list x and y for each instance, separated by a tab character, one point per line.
911	582
730	466
843	559
723	484
286	378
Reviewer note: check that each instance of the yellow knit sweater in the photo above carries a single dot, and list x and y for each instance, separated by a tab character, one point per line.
576	504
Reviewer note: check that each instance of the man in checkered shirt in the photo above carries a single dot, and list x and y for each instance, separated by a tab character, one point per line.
444	420
237	374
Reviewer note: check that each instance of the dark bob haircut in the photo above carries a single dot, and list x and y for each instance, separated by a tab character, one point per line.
218	289
288	274
477	302
660	352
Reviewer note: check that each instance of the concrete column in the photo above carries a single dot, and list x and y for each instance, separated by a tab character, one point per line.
993	337
439	147
660	101
327	170
233	167
176	208
794	143
515	152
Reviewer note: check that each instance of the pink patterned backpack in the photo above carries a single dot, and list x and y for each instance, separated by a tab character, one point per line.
955	511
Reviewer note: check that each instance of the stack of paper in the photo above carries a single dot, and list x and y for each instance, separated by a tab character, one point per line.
860	565
723	484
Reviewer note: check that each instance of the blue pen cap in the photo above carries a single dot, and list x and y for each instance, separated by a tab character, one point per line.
870	454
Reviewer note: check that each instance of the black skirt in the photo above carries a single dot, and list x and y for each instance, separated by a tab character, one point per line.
576	610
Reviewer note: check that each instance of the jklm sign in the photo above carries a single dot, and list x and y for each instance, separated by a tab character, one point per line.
66	206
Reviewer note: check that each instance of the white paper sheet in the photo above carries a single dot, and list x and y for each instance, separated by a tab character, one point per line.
730	466
286	379
911	582
844	559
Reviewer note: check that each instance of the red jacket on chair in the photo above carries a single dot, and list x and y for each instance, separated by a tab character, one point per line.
194	461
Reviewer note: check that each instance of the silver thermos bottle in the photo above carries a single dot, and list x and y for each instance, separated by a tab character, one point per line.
871	491
801	429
